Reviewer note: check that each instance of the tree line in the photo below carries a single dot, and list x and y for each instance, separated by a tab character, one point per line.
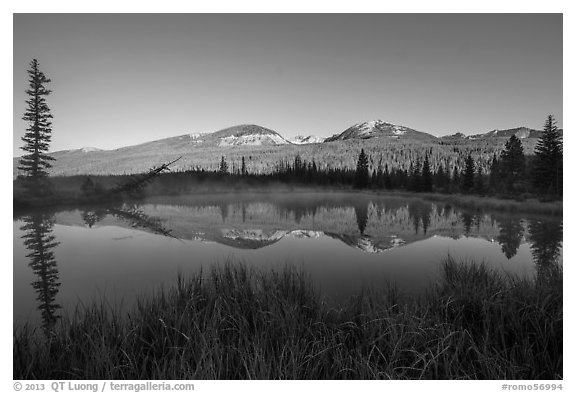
511	173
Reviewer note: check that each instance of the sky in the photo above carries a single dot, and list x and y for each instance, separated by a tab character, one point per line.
124	79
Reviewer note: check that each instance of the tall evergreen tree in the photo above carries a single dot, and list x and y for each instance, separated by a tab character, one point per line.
479	187
455	180
223	165
468	177
380	175
426	176
39	132
547	169
387	178
362	176
512	165
243	169
416	177
494	180
442	178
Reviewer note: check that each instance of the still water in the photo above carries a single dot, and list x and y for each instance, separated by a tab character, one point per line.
68	257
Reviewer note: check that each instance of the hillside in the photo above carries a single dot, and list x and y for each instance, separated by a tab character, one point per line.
380	129
396	146
302	140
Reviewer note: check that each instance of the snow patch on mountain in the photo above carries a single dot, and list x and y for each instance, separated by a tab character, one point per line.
304	140
252	140
89	149
197	135
398	130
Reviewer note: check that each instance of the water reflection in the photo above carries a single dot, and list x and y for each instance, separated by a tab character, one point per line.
546	237
510	236
361	211
131	214
467	220
380	224
419	212
224	211
342	238
38	239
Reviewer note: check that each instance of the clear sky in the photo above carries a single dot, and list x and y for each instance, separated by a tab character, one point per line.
124	79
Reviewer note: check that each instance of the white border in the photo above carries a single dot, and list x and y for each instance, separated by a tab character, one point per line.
251	6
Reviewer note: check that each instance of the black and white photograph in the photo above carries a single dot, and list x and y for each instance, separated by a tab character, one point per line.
287	196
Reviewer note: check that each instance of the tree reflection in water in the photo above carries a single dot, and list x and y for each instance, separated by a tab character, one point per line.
510	236
130	214
546	238
39	240
361	210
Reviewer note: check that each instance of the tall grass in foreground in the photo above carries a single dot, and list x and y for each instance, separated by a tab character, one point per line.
239	323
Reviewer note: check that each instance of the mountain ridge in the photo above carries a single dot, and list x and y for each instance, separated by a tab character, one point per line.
357	131
263	148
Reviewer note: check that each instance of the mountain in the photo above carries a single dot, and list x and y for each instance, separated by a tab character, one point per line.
456	136
241	135
379	129
520	132
247	135
304	140
263	148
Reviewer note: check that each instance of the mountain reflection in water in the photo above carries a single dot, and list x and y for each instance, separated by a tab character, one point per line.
306	225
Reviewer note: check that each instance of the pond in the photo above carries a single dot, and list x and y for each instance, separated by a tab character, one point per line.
65	258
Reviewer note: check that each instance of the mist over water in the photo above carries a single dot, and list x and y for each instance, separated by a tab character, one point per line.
344	241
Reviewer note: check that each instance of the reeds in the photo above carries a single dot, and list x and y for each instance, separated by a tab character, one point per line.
240	323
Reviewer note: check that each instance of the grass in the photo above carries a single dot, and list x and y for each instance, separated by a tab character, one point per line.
240	323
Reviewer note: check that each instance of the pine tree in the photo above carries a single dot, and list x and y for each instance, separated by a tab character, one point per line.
243	170
38	134
442	178
479	182
494	181
512	165
387	178
380	175
416	177
426	176
362	176
468	177
455	180
223	165
547	170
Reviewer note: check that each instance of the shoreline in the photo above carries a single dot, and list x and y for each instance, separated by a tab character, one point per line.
530	205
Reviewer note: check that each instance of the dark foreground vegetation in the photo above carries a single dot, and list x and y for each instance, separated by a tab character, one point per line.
240	323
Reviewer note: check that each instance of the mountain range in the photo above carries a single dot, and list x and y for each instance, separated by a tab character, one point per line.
265	147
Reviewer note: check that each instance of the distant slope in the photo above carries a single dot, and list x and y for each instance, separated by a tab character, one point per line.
520	132
242	135
380	129
263	148
303	140
246	135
